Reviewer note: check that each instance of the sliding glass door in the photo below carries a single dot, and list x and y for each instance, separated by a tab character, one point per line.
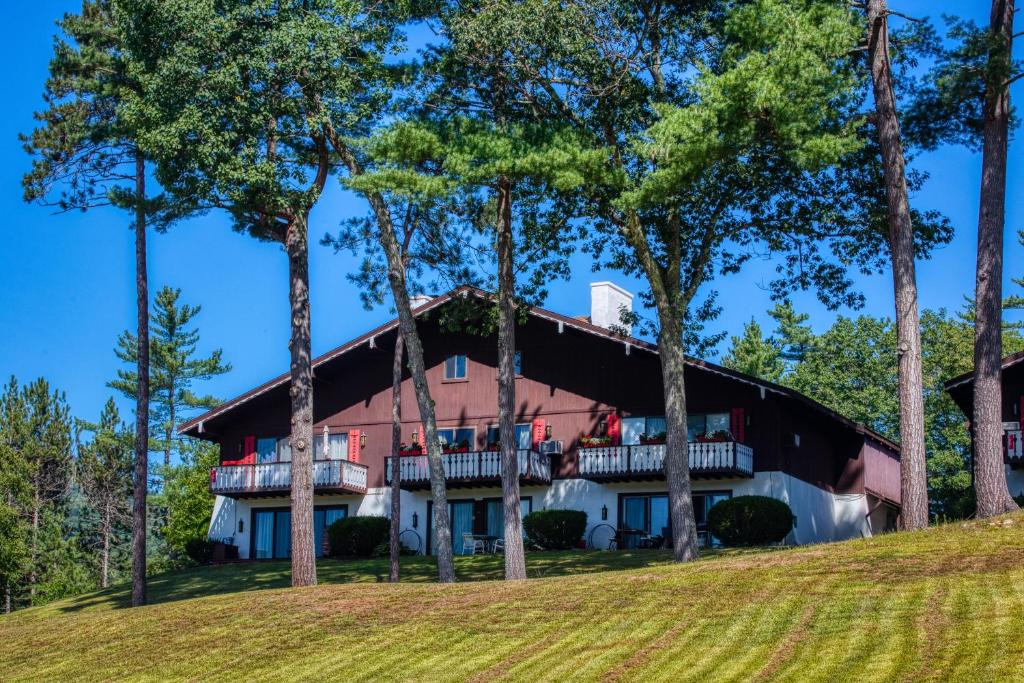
495	514
649	513
272	530
272	534
322	518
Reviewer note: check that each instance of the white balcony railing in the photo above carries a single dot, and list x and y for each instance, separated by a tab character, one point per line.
277	476
608	461
1014	444
480	466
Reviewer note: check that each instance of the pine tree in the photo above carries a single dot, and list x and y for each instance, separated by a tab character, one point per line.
175	368
86	155
755	355
104	467
270	89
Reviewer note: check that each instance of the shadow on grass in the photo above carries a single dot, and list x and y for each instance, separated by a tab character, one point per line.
198	582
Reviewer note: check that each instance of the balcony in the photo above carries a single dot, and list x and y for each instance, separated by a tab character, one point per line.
476	468
275	478
633	463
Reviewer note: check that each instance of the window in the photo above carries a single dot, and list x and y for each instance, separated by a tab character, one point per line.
266	450
495	514
337	447
284	449
524	435
457	437
272	530
635	427
649	513
517	363
699	425
455	367
323	517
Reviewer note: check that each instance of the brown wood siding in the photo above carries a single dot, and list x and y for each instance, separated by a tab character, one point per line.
570	379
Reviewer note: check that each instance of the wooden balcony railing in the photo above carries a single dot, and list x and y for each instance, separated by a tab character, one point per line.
477	468
722	458
276	477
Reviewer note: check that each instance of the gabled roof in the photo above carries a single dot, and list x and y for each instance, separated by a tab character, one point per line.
1008	362
193	427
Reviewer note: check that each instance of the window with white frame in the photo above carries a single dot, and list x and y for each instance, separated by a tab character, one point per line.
457	437
524	435
455	366
337	447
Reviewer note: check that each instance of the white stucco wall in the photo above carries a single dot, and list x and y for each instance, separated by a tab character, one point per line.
820	516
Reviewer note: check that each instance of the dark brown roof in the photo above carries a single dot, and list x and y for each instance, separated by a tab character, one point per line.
1008	362
575	322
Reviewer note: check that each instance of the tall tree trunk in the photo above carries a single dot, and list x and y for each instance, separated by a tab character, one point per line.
169	433
515	559
396	445
301	390
33	575
142	391
989	471
913	469
669	301
677	450
417	368
105	551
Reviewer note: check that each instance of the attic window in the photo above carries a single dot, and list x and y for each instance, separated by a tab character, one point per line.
455	367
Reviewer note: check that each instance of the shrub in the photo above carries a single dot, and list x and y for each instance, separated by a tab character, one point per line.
750	520
199	550
357	536
555	529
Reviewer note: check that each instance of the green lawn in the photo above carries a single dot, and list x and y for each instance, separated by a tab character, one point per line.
945	604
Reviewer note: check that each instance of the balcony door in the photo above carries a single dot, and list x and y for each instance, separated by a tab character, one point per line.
272	530
646	513
323	517
495	514
271	534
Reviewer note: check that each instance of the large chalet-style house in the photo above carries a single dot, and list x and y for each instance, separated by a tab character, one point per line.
590	428
961	389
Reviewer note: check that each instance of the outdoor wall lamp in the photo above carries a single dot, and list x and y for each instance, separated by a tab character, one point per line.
241	526
415	436
415	520
362	440
602	427
547	432
604	512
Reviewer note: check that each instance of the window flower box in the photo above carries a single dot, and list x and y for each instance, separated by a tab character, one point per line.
591	441
653	439
414	449
720	436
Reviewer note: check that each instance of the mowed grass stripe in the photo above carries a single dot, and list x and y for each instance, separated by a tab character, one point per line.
945	604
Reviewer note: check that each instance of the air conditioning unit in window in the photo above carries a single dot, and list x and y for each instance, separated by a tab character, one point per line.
550	447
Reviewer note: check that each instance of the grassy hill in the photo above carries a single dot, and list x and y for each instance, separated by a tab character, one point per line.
945	604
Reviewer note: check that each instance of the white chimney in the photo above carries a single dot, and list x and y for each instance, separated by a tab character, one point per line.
417	300
606	302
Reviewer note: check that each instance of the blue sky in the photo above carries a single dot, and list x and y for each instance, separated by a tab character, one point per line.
67	281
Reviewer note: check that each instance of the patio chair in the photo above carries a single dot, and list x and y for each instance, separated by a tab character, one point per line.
499	546
473	546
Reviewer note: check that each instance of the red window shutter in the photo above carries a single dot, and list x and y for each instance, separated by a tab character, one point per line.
353	445
421	436
250	450
539	428
739	424
615	429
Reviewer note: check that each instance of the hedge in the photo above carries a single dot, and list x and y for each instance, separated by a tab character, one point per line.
555	529
750	520
357	536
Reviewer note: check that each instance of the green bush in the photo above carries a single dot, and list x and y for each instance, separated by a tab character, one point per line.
199	550
750	520
357	536
555	529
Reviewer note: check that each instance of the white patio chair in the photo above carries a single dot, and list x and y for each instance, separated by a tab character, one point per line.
499	546
472	546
